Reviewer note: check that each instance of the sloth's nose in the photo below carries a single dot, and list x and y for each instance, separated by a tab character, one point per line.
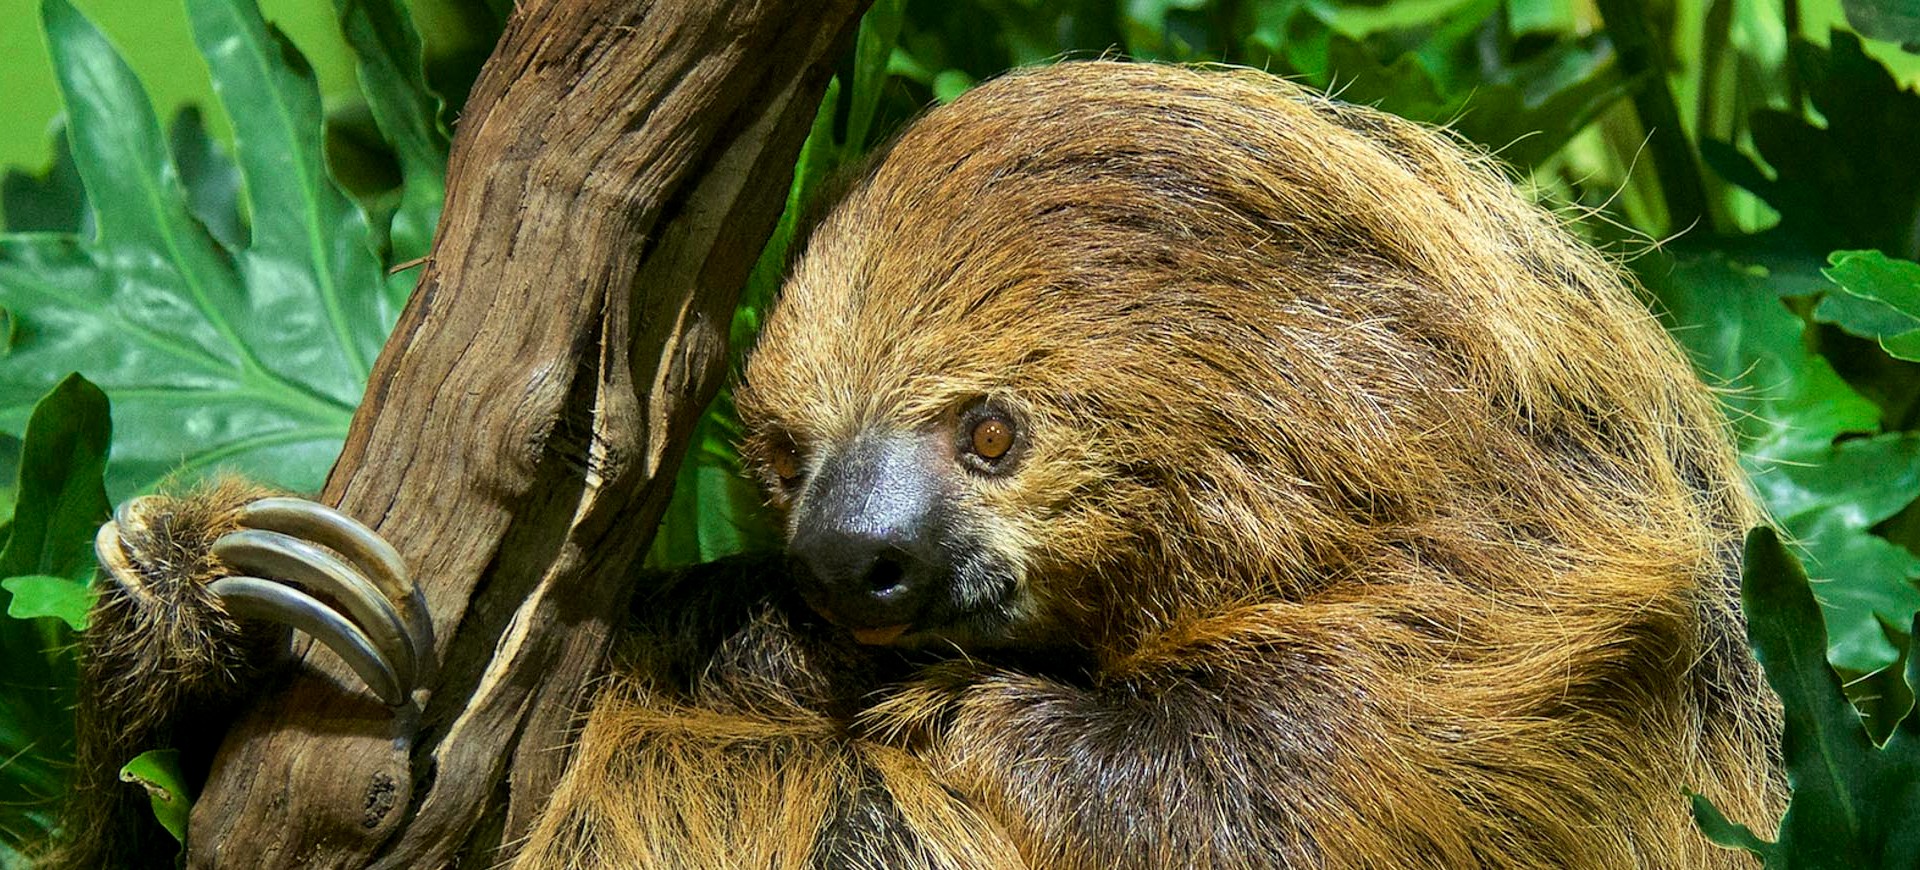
866	583
867	538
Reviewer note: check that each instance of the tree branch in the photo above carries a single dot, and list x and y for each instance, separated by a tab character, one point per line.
615	173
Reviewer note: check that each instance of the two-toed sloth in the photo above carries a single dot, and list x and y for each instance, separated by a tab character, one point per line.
1178	469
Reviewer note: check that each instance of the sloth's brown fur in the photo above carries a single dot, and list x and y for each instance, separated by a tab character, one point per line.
1396	532
1362	518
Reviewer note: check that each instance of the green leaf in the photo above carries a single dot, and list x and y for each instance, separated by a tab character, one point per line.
1862	316
1909	726
1853	802
1785	401
158	771
1891	20
407	113
210	178
1828	501
1883	697
9	482
879	33
37	595
1789	407
1905	346
1893	286
1547	16
1850	181
247	357
948	85
715	510
51	201
309	242
61	501
1873	275
1468	75
1725	832
1150	31
1826	749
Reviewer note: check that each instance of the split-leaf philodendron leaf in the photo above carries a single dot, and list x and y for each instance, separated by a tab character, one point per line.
250	352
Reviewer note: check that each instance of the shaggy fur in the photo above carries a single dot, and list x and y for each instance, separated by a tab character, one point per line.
1378	522
159	651
1361	517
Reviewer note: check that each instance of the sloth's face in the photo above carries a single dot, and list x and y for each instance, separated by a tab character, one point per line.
910	529
1037	374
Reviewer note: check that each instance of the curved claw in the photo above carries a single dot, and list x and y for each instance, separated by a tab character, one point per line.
131	514
108	552
262	553
254	598
111	553
377	560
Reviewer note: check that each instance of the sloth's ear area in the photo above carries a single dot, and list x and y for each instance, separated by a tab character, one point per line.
829	192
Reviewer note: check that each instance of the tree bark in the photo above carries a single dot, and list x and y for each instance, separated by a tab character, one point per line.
615	173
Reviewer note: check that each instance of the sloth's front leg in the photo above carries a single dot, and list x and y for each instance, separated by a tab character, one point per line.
197	595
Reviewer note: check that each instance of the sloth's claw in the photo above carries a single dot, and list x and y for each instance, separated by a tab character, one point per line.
113	557
336	531
257	553
295	563
376	560
309	566
272	601
371	554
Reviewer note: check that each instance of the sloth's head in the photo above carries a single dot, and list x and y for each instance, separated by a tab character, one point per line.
1101	342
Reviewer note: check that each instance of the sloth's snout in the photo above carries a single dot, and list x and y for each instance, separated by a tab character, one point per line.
866	538
866	584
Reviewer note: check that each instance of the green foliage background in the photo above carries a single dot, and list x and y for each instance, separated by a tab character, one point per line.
220	288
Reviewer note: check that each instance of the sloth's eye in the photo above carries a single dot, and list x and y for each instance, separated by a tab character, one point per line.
785	462
991	438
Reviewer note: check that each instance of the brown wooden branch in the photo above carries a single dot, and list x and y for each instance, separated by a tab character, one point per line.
615	173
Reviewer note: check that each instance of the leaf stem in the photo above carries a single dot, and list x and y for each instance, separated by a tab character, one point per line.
1680	185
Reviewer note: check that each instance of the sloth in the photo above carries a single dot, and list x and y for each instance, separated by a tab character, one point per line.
1178	468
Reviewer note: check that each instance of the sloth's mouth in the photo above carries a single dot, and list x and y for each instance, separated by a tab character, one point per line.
984	622
879	636
976	602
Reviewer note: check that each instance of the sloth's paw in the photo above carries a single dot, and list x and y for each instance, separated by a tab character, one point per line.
279	560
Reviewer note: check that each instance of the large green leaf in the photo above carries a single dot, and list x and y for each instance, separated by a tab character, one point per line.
61	502
243	347
155	310
1792	413
1853	803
